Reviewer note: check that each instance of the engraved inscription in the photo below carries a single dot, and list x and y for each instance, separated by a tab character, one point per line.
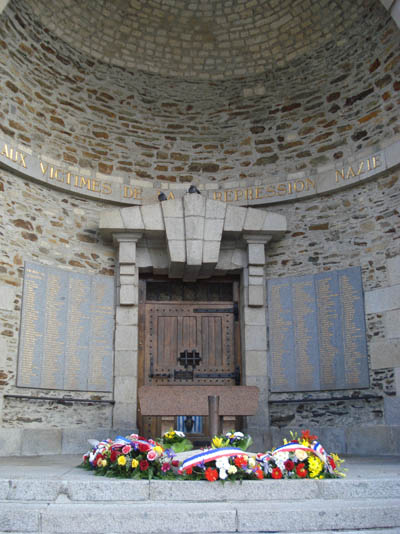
67	327
317	332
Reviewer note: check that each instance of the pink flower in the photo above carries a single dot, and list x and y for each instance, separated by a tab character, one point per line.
151	455
127	449
165	467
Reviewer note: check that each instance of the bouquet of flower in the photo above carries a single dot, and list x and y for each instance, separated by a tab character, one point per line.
224	463
176	440
130	457
233	439
136	457
302	457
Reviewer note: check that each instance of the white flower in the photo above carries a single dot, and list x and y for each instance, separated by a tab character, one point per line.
281	456
223	474
179	434
232	469
239	435
222	463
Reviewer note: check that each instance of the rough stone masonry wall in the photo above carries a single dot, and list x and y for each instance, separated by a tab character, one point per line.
45	226
333	103
356	227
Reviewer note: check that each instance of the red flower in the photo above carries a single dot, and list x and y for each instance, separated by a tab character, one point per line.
331	462
189	470
259	474
305	434
144	447
301	471
289	465
113	456
276	473
143	465
240	462
211	474
175	463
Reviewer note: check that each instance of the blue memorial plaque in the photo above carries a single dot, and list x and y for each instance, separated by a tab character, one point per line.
67	329
281	334
324	343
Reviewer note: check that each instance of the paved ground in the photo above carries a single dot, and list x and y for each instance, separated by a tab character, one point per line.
64	467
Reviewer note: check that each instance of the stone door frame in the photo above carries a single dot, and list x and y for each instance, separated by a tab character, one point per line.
190	238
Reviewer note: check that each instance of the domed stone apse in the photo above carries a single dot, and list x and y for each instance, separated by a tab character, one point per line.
244	95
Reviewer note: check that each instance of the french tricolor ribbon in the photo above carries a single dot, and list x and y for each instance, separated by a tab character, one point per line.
316	448
320	451
209	456
120	441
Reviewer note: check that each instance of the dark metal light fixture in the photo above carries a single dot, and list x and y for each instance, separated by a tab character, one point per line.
193	189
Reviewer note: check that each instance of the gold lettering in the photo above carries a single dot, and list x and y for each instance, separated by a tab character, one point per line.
226	195
95	186
309	182
238	194
44	168
170	196
85	181
128	191
54	173
289	186
368	164
282	188
296	187
375	162
217	195
248	194
68	181
22	158
350	173
107	189
137	193
258	190
360	168
4	152
270	189
16	157
339	174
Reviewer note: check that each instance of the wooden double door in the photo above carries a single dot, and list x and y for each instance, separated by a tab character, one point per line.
188	335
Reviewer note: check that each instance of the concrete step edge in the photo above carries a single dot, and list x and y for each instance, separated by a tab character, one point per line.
300	516
95	489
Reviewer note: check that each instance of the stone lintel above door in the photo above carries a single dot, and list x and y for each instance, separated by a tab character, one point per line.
195	229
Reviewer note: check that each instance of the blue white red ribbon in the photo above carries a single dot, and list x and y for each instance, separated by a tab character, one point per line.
316	448
209	455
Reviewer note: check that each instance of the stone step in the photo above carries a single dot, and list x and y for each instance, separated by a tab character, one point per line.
96	489
316	515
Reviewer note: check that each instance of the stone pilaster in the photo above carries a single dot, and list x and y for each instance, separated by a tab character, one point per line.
126	332
254	327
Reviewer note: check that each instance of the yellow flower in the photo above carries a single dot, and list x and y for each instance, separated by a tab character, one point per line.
121	460
103	463
134	463
338	461
315	466
217	442
251	462
158	449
